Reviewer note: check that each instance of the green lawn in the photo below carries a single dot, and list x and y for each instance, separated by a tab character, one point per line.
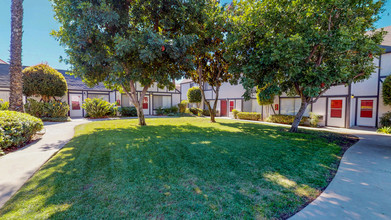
180	168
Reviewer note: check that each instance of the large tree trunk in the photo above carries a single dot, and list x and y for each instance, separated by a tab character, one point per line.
140	115
16	97
137	102
299	115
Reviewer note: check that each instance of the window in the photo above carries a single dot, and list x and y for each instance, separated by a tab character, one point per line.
366	109
231	105
76	102
99	96
145	103
336	108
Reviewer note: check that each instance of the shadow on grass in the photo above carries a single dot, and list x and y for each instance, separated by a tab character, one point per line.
229	170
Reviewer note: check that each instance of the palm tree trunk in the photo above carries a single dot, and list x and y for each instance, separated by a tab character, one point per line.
16	97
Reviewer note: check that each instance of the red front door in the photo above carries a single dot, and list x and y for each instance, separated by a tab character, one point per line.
223	108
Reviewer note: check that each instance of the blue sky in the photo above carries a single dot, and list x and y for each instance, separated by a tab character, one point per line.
39	46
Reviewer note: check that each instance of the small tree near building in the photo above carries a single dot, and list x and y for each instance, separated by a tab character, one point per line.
194	95
305	47
387	91
128	44
44	81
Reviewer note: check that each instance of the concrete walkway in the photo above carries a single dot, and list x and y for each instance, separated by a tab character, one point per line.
361	188
17	167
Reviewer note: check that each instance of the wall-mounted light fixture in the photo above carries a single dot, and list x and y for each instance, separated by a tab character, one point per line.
352	96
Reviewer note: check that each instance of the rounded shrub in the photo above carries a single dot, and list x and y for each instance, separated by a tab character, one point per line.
387	91
182	106
235	113
194	95
42	80
17	128
128	111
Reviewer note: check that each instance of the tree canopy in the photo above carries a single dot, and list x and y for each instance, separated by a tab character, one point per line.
303	47
122	43
42	80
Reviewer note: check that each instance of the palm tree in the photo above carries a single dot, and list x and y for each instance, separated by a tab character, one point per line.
16	97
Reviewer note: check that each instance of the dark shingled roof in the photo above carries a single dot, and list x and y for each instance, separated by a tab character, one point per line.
73	82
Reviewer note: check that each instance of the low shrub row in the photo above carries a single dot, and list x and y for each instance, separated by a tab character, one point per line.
99	108
286	119
384	130
249	115
167	111
17	128
128	111
47	110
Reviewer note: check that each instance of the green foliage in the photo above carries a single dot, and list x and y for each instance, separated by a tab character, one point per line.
3	105
303	47
266	95
384	130
387	91
51	109
196	111
249	115
182	106
385	120
286	119
17	128
99	108
235	113
42	80
194	95
314	119
206	112
171	111
128	111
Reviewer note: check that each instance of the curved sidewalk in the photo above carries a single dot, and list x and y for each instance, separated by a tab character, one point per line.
361	188
17	167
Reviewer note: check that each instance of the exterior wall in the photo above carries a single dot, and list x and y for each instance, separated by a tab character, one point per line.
5	95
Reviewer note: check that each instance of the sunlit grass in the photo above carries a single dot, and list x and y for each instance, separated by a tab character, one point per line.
179	168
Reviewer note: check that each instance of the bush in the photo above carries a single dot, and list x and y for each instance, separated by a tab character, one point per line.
385	120
385	130
235	113
194	95
128	111
51	109
182	106
196	111
314	119
17	128
249	115
3	105
42	80
387	91
167	111
206	112
99	108
286	119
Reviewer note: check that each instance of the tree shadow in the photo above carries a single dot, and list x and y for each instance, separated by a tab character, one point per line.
237	170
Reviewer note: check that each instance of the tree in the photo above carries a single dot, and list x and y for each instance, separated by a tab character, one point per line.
211	68
125	43
42	80
194	95
16	87
303	47
387	91
266	96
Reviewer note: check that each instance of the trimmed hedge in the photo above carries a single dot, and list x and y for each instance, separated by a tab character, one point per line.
167	111
99	108
51	109
128	111
182	106
235	113
286	119
17	128
249	116
194	95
